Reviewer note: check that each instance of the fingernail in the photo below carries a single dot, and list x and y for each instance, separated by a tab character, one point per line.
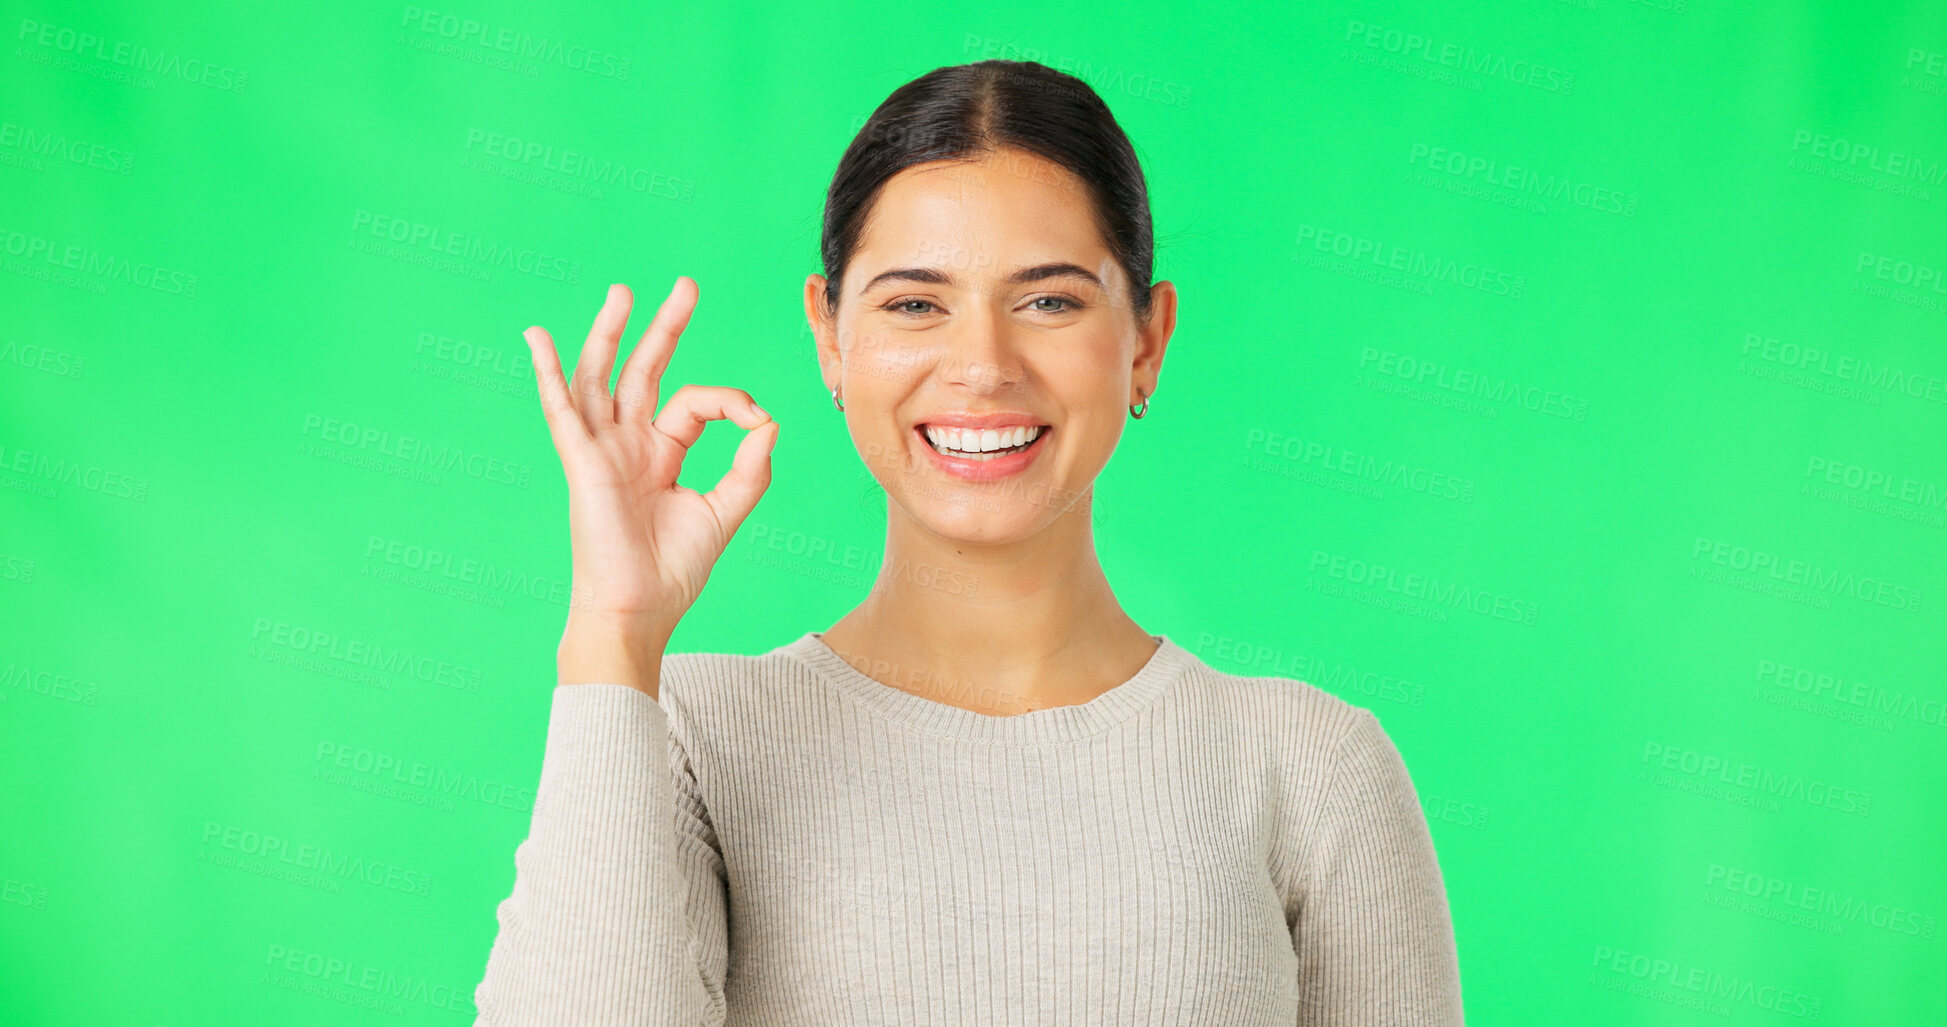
761	412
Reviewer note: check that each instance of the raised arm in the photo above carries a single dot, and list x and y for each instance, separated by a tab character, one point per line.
617	913
1373	932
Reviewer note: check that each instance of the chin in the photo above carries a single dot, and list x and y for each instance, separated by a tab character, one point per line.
975	516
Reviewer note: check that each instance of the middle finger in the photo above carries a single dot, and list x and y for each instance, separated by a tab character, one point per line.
639	389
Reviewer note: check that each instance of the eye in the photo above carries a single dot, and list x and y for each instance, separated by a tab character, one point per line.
1060	304
910	306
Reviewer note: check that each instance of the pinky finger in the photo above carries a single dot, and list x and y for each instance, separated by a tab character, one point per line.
737	493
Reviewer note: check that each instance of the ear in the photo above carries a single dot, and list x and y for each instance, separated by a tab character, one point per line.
824	329
1153	337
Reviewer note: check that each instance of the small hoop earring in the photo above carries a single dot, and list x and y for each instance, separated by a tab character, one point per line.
839	403
1135	413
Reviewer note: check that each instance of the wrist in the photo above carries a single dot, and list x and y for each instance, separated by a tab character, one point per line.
605	650
638	630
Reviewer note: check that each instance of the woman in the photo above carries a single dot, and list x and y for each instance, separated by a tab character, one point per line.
986	795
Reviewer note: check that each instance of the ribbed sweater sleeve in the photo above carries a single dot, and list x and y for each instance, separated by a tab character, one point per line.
1374	935
617	914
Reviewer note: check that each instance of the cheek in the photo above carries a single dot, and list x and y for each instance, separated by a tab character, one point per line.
1088	371
888	357
1087	385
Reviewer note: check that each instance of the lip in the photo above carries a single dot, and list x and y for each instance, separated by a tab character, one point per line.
992	419
981	470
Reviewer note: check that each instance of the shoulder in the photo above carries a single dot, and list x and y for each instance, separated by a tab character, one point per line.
709	696
690	672
703	680
1308	737
1291	712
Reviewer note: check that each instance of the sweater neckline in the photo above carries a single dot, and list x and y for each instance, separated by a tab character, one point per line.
1167	665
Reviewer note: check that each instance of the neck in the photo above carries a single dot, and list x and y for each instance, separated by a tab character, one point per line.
1004	627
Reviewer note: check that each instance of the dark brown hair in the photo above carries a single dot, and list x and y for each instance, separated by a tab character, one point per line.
964	111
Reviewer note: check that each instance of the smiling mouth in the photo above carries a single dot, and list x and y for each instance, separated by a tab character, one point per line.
981	446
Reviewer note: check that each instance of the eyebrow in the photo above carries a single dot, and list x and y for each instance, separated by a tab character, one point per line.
934	276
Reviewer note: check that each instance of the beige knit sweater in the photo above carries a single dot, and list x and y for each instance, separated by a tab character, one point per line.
781	839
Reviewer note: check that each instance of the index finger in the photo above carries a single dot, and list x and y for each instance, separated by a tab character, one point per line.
694	406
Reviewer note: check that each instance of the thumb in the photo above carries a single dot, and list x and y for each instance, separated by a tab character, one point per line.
738	491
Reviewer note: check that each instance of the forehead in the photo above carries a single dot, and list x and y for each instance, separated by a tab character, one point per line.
1008	207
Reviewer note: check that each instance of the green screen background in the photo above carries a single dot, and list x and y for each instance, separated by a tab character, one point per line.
1562	381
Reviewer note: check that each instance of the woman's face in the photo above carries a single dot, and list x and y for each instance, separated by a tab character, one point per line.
982	298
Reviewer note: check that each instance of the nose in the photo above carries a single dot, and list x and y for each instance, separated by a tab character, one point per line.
982	352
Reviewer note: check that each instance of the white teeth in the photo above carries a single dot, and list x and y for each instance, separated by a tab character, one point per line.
978	443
